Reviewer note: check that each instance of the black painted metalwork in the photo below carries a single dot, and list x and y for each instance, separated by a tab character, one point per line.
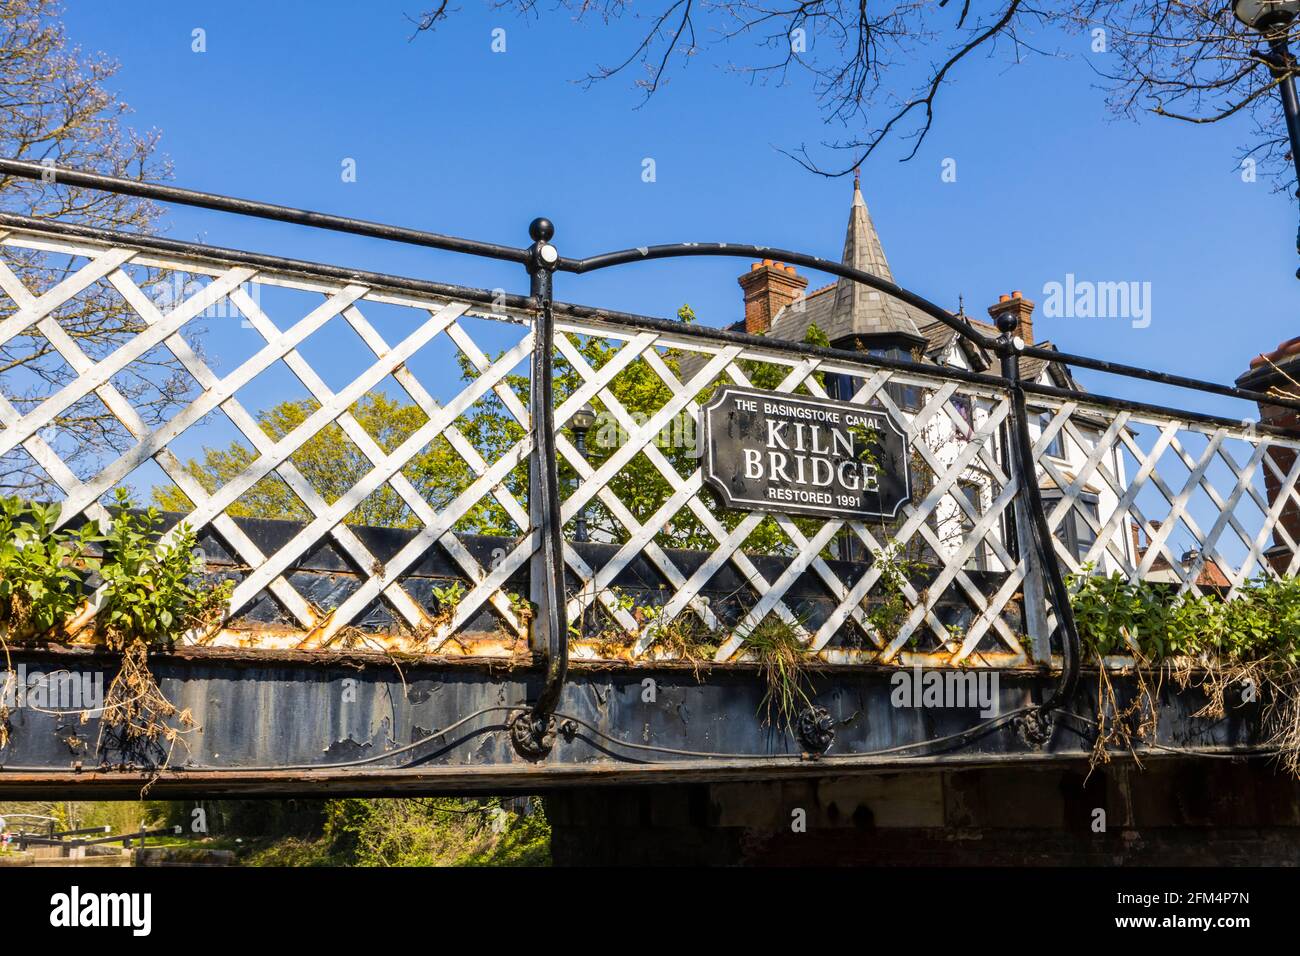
733	250
248	207
380	281
533	731
1022	460
544	499
1163	378
1282	65
816	729
1273	21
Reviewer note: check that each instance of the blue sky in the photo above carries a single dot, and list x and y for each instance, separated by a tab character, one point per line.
449	136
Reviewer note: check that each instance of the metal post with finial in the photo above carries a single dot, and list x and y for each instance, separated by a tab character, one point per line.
533	732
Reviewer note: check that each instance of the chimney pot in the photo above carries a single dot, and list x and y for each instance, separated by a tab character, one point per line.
1016	304
768	288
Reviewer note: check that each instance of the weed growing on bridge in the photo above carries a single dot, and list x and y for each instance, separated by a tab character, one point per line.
1247	647
447	600
40	583
684	637
138	721
889	607
782	661
147	596
523	608
147	599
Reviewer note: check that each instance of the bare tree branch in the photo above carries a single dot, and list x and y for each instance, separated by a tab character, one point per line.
54	106
877	66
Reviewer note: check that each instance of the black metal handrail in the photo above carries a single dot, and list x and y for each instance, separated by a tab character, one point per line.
250	207
542	260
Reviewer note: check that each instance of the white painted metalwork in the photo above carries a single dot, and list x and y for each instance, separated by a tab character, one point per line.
267	572
1144	495
1175	500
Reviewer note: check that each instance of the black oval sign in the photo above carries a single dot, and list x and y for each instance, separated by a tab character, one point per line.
768	451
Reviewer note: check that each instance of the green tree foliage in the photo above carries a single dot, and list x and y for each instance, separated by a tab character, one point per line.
40	587
435	832
333	464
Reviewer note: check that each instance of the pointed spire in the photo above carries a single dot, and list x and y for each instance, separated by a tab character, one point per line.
859	310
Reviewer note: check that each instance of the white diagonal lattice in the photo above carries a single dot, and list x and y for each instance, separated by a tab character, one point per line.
685	492
1149	493
266	572
1135	492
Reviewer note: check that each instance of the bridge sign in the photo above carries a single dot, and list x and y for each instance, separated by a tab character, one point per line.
769	451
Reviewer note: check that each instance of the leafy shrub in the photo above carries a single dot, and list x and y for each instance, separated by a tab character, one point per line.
1262	621
150	593
40	586
148	590
1215	644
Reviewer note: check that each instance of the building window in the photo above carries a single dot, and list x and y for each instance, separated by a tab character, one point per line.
1091	438
907	397
979	560
840	386
1055	448
963	406
1075	532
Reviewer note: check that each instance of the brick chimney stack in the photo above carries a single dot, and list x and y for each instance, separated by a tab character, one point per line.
1023	310
769	287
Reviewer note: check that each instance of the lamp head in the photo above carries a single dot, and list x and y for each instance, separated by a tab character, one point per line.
1265	16
583	419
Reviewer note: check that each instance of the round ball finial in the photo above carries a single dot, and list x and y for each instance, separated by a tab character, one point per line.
1008	322
541	229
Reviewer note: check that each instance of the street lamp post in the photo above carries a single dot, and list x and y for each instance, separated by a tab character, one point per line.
1271	19
581	423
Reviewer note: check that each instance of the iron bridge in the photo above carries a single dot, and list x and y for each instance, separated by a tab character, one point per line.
481	642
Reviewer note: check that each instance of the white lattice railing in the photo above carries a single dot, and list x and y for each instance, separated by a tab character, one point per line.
95	273
1153	497
661	548
949	444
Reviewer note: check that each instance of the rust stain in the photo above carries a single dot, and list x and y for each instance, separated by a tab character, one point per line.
512	650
